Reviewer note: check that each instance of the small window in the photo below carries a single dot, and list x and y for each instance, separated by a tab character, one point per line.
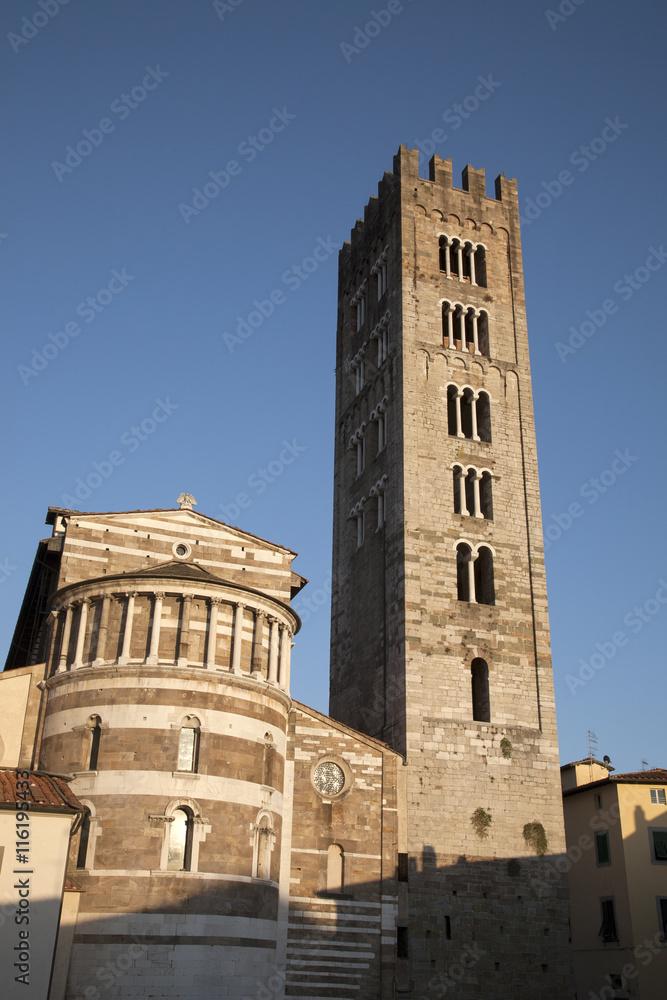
602	848
615	981
94	725
335	868
608	927
180	841
598	801
481	711
402	947
188	745
659	843
402	867
84	839
658	797
662	917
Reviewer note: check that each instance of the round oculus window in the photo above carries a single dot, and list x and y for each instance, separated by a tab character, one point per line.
181	550
329	778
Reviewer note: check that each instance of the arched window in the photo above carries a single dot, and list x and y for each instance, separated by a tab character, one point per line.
480	265
472	492
84	840
463	574
94	727
443	253
483	417
459	490
188	744
180	841
335	868
479	674
483	333
484	587
474	573
453	410
485	495
264	837
467	407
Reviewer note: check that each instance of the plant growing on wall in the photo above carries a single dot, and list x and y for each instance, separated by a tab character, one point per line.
535	837
505	747
481	821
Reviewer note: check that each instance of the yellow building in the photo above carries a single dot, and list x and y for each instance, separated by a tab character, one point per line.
616	833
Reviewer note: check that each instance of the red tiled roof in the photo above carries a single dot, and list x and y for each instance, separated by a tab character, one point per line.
44	790
656	776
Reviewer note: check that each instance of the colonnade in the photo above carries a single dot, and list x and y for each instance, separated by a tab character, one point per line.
279	636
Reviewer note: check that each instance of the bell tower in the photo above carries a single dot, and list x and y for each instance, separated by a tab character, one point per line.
440	635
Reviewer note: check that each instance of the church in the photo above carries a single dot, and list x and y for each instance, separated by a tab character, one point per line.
228	841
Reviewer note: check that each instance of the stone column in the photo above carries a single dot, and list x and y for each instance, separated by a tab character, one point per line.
103	631
471	577
152	657
475	486
212	641
257	652
285	652
471	258
124	657
459	394
237	638
462	328
64	641
448	268
462	492
473	411
273	651
81	634
184	634
450	325
459	259
475	332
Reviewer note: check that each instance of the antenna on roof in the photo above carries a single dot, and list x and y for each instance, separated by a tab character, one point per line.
592	744
644	765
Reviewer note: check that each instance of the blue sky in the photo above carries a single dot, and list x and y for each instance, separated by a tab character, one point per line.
298	115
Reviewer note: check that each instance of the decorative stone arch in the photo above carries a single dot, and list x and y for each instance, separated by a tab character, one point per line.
263	843
335	869
198	828
89	830
421	210
479	682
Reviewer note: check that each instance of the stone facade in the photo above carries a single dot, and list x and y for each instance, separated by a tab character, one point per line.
239	844
440	637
